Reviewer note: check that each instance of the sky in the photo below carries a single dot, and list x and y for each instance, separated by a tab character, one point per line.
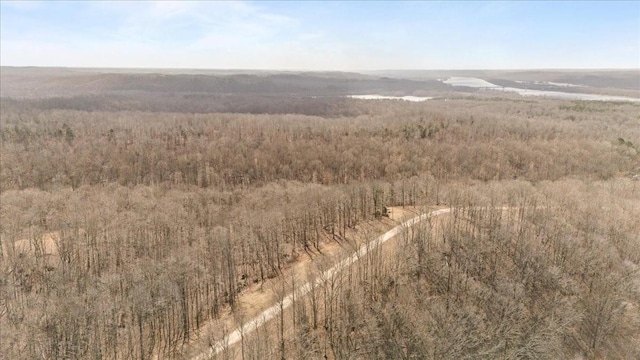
335	35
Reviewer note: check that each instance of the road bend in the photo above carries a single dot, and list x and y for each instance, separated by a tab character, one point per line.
273	311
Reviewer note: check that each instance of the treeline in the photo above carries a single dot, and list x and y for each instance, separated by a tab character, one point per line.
329	106
447	140
19	83
289	84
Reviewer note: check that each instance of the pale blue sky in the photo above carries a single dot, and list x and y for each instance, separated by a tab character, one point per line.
322	35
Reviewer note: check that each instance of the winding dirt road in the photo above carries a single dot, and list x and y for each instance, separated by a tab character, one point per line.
265	316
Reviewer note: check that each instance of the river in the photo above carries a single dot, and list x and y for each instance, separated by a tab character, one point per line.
483	84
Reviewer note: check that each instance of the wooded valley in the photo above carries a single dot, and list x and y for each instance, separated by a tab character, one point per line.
134	215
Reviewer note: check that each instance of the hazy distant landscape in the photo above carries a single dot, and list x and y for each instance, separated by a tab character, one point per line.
63	82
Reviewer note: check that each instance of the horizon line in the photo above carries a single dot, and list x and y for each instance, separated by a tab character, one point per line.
318	70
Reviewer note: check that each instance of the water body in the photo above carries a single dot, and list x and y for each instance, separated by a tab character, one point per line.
483	84
382	97
470	82
556	84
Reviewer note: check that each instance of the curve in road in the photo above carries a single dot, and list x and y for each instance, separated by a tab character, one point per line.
273	311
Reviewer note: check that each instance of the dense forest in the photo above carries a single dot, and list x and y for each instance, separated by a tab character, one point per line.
132	217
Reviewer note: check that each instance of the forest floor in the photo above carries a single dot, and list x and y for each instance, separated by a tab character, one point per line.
45	245
257	298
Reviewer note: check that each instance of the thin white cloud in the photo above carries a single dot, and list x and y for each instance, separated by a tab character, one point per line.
169	9
260	35
191	34
23	4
